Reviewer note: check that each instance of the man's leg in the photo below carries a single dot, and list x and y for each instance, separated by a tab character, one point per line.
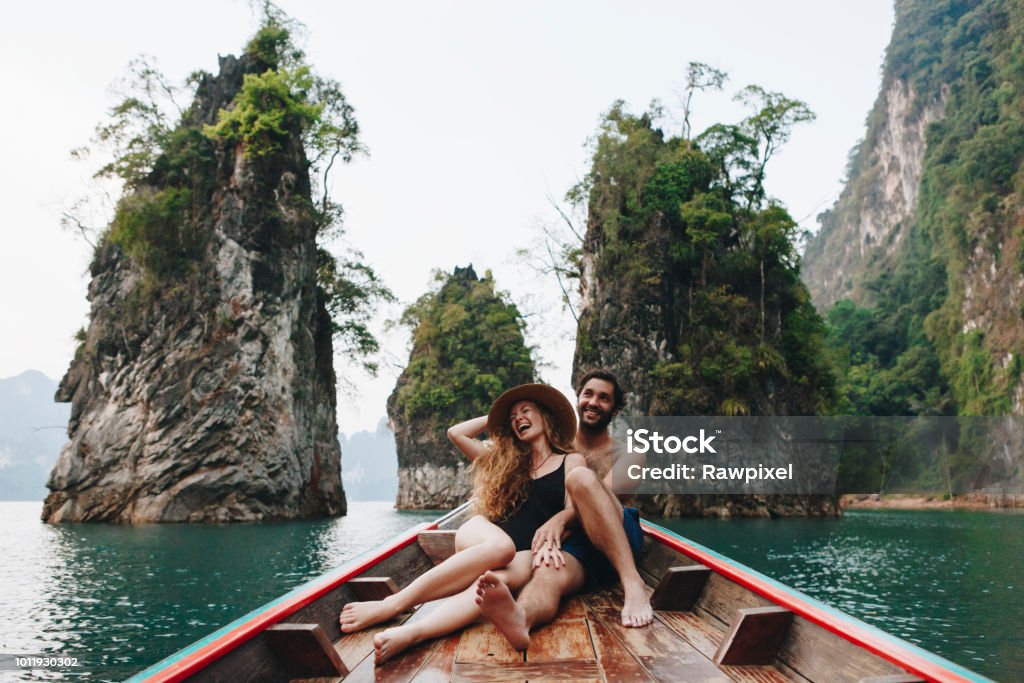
600	513
537	603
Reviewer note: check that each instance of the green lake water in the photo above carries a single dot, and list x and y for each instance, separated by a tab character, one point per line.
120	598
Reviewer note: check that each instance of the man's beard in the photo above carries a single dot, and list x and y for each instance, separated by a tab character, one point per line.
594	428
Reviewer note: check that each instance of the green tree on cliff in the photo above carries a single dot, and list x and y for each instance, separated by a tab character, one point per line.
467	347
166	160
683	227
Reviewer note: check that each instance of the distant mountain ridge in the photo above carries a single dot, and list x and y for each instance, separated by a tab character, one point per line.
33	428
369	463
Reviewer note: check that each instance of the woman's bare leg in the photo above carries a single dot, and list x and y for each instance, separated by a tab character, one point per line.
452	614
480	545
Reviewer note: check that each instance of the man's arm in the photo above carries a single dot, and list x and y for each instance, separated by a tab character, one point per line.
616	479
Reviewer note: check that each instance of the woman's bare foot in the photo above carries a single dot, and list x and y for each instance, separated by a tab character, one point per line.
355	616
392	641
636	606
500	608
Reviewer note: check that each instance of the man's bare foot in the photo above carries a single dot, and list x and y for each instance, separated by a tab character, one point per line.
500	608
355	616
392	641
636	606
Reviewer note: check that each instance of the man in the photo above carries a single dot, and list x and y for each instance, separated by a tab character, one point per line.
566	559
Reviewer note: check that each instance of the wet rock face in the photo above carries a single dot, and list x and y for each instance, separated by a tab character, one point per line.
727	507
875	211
214	399
431	473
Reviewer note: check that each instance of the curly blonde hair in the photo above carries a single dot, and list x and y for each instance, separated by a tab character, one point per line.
502	478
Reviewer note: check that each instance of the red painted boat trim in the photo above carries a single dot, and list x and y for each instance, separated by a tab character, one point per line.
229	641
848	629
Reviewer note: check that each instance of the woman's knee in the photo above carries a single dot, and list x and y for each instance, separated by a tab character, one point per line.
471	532
495	544
502	550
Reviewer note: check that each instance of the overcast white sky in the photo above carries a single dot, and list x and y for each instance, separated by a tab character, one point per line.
473	112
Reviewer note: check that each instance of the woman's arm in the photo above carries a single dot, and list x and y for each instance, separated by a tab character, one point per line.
464	434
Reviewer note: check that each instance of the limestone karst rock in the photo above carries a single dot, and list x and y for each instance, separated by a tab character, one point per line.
925	236
467	348
690	295
206	392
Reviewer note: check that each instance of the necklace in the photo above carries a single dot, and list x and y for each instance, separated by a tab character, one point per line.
534	469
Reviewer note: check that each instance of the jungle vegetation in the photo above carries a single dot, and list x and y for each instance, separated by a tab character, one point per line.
467	348
682	222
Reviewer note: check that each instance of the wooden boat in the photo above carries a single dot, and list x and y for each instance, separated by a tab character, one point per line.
716	620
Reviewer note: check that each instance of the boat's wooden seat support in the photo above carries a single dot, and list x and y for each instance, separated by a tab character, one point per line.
679	588
438	544
755	636
372	587
305	650
893	678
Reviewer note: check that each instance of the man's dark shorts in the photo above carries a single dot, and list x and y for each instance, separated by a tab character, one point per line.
599	571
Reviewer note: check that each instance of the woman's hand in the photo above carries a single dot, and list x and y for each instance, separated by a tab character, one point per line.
464	434
548	556
553	530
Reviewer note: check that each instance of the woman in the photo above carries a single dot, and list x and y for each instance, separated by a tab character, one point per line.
519	483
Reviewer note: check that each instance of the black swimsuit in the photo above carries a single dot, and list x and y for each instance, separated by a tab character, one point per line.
544	498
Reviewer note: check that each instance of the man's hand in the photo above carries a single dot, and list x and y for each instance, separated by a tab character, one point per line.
548	556
551	532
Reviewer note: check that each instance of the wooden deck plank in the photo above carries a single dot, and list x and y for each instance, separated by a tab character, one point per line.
614	660
484	644
573	608
353	648
438	669
566	670
562	639
694	630
755	674
665	655
400	669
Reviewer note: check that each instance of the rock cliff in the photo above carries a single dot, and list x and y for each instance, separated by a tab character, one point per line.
467	348
205	392
927	230
870	221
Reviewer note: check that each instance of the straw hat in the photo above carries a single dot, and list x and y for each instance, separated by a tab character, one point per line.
548	396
